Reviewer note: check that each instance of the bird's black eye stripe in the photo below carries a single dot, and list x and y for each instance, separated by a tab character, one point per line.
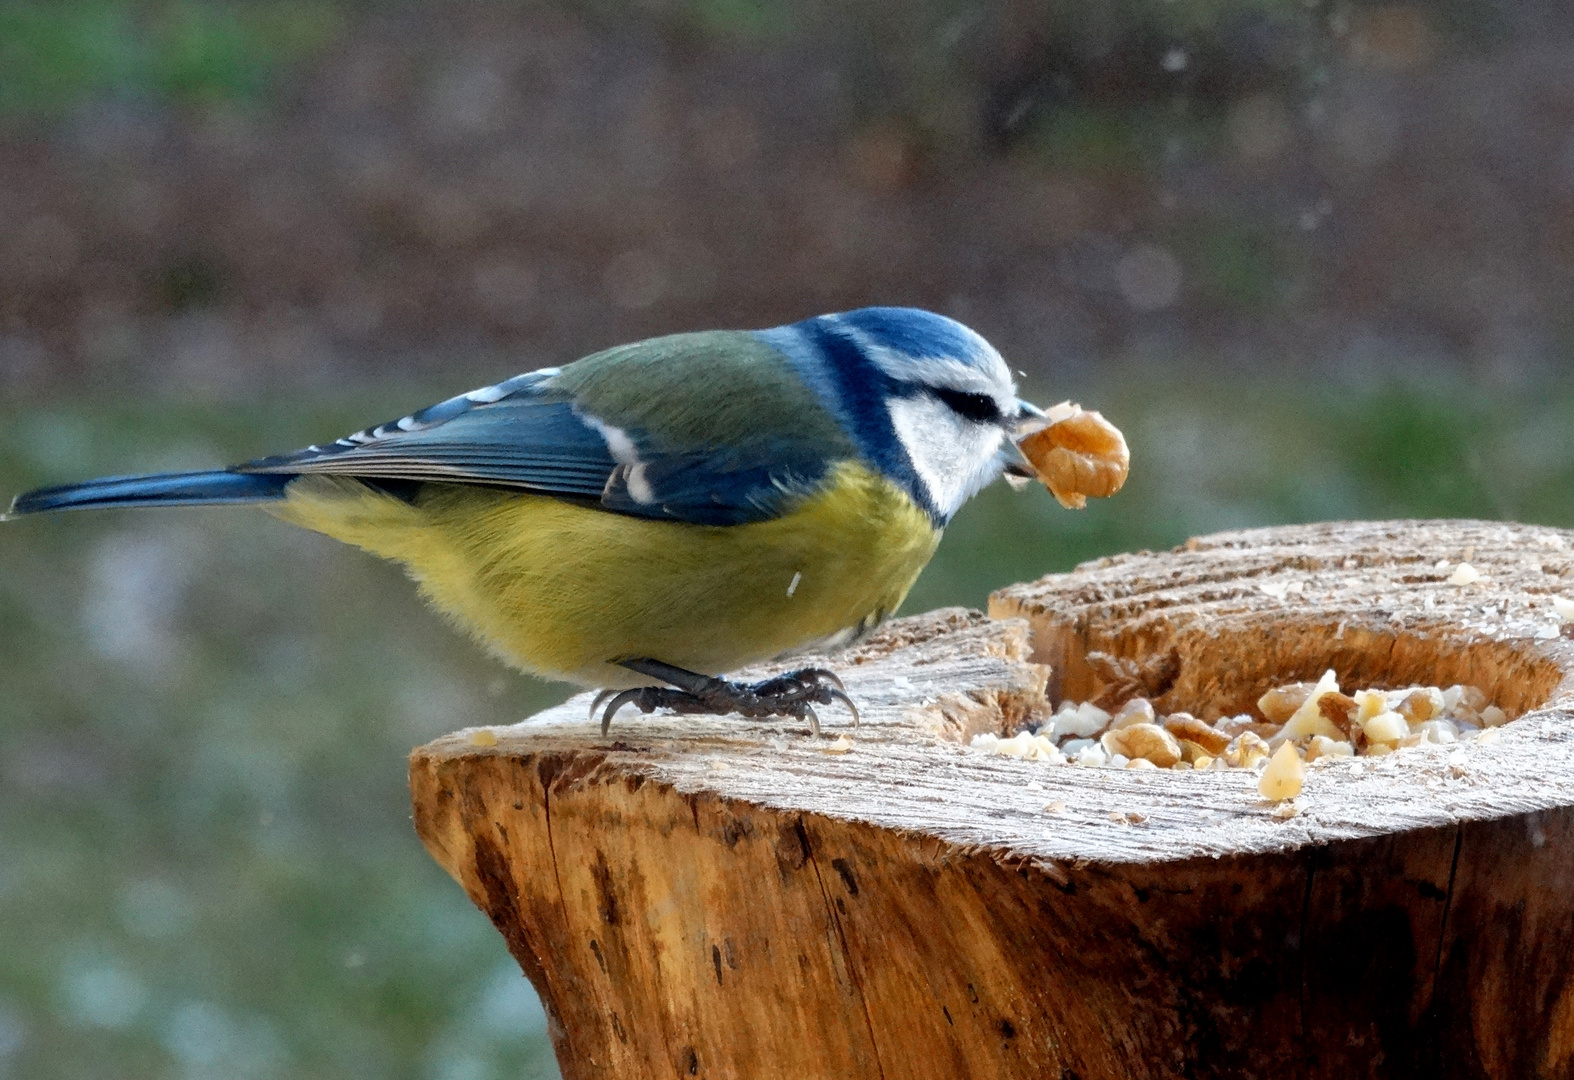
978	407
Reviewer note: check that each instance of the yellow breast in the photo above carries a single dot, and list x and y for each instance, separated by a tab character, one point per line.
563	590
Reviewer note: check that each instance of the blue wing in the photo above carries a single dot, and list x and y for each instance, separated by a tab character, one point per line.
524	434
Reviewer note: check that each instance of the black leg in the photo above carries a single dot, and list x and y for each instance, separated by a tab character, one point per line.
687	692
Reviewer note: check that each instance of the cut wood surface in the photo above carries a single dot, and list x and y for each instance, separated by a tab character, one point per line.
725	897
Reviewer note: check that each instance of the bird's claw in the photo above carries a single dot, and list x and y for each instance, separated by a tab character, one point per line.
792	694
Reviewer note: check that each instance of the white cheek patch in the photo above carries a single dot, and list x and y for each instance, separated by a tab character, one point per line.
623	451
953	457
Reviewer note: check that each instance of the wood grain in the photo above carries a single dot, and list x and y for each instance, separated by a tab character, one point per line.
721	897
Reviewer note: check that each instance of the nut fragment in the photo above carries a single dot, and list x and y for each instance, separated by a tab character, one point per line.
1281	703
1077	455
1147	741
1338	709
1136	711
1283	777
1245	750
1386	727
1323	747
1309	719
1204	736
1419	706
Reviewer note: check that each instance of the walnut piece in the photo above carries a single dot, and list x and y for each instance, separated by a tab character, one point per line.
1077	455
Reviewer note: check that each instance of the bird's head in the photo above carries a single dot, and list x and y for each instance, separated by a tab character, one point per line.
927	399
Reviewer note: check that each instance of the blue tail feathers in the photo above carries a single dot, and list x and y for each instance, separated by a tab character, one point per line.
164	489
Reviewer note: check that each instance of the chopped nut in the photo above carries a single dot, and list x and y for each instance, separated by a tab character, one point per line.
1323	747
1492	717
1338	709
1285	810
839	745
1055	807
1091	755
1369	703
1464	574
1245	750
1419	706
1136	711
1563	608
1473	698
1285	774
1148	741
1386	727
483	737
1281	703
1202	761
1204	736
1077	455
1140	763
1309	719
1437	731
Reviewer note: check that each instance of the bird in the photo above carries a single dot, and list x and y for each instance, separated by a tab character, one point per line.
653	516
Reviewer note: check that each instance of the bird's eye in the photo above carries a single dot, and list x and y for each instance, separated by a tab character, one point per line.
977	407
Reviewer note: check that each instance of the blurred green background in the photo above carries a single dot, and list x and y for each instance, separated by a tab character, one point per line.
1313	258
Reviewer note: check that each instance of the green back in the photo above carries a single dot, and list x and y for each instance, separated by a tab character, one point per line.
695	391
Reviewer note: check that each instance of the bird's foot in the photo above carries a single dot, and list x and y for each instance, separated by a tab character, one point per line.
793	694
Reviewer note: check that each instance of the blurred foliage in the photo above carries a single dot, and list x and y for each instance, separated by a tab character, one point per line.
206	861
55	53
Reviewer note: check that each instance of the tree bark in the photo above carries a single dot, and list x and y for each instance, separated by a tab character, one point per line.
730	898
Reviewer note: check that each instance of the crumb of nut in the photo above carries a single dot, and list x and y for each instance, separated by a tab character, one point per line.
1338	709
1322	746
1231	726
1286	810
1563	608
1077	455
1464	574
1281	703
1245	750
1437	732
1492	717
1140	763
1419	706
1309	720
839	745
1369	703
1091	755
1078	721
1490	735
1136	711
483	737
1203	735
1285	774
1058	806
1385	727
1147	741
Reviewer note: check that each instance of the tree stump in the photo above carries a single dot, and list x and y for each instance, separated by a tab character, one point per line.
730	898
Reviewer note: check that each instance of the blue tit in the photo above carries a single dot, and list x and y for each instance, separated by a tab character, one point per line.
651	517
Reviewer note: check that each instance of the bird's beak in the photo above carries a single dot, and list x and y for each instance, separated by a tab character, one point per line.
1029	418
